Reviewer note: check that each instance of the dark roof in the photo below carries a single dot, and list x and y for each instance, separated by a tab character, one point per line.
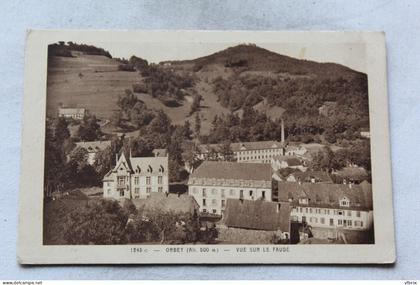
167	203
291	160
320	176
327	195
257	215
233	170
243	146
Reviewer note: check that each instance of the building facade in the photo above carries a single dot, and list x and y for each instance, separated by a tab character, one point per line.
74	113
136	177
93	148
329	205
213	182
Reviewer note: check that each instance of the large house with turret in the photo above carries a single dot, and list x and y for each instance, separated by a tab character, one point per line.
136	177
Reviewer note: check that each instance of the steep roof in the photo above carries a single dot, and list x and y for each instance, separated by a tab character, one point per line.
257	215
94	146
167	203
327	195
149	164
233	170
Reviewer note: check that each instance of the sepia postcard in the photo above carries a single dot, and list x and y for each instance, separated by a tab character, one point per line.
186	147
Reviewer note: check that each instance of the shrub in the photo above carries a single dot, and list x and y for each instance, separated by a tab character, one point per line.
100	222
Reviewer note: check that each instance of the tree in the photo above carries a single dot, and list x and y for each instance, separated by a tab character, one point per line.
197	124
195	106
226	151
89	130
104	160
100	222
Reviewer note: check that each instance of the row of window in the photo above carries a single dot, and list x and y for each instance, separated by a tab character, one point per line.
231	192
322	220
307	210
266	157
214	203
136	191
259	151
121	180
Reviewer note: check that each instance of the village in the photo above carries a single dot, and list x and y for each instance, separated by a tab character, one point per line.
261	192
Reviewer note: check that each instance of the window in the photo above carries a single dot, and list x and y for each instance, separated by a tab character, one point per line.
148	190
121	192
148	180
136	180
263	195
349	223
358	214
214	211
121	180
349	213
136	190
222	193
322	220
223	203
160	179
331	222
204	202
250	193
213	191
340	222
310	210
204	192
213	202
340	213
231	192
241	194
160	189
204	211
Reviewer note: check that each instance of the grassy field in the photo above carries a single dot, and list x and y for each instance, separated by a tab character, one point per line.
94	82
89	81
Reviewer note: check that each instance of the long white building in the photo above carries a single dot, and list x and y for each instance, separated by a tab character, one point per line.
136	177
346	206
213	182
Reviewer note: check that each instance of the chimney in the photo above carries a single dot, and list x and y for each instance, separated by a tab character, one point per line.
278	207
116	158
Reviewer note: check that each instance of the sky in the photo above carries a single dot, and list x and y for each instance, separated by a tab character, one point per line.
350	55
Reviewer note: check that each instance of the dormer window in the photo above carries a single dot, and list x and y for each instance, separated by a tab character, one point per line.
161	169
138	170
303	201
345	202
150	169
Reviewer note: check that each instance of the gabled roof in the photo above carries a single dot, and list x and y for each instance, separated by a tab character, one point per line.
233	170
167	203
149	164
94	146
257	215
327	195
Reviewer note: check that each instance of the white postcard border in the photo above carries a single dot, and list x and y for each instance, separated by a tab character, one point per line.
30	247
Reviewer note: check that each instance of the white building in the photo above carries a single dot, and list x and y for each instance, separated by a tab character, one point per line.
329	205
74	113
284	161
136	177
257	152
93	148
213	182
